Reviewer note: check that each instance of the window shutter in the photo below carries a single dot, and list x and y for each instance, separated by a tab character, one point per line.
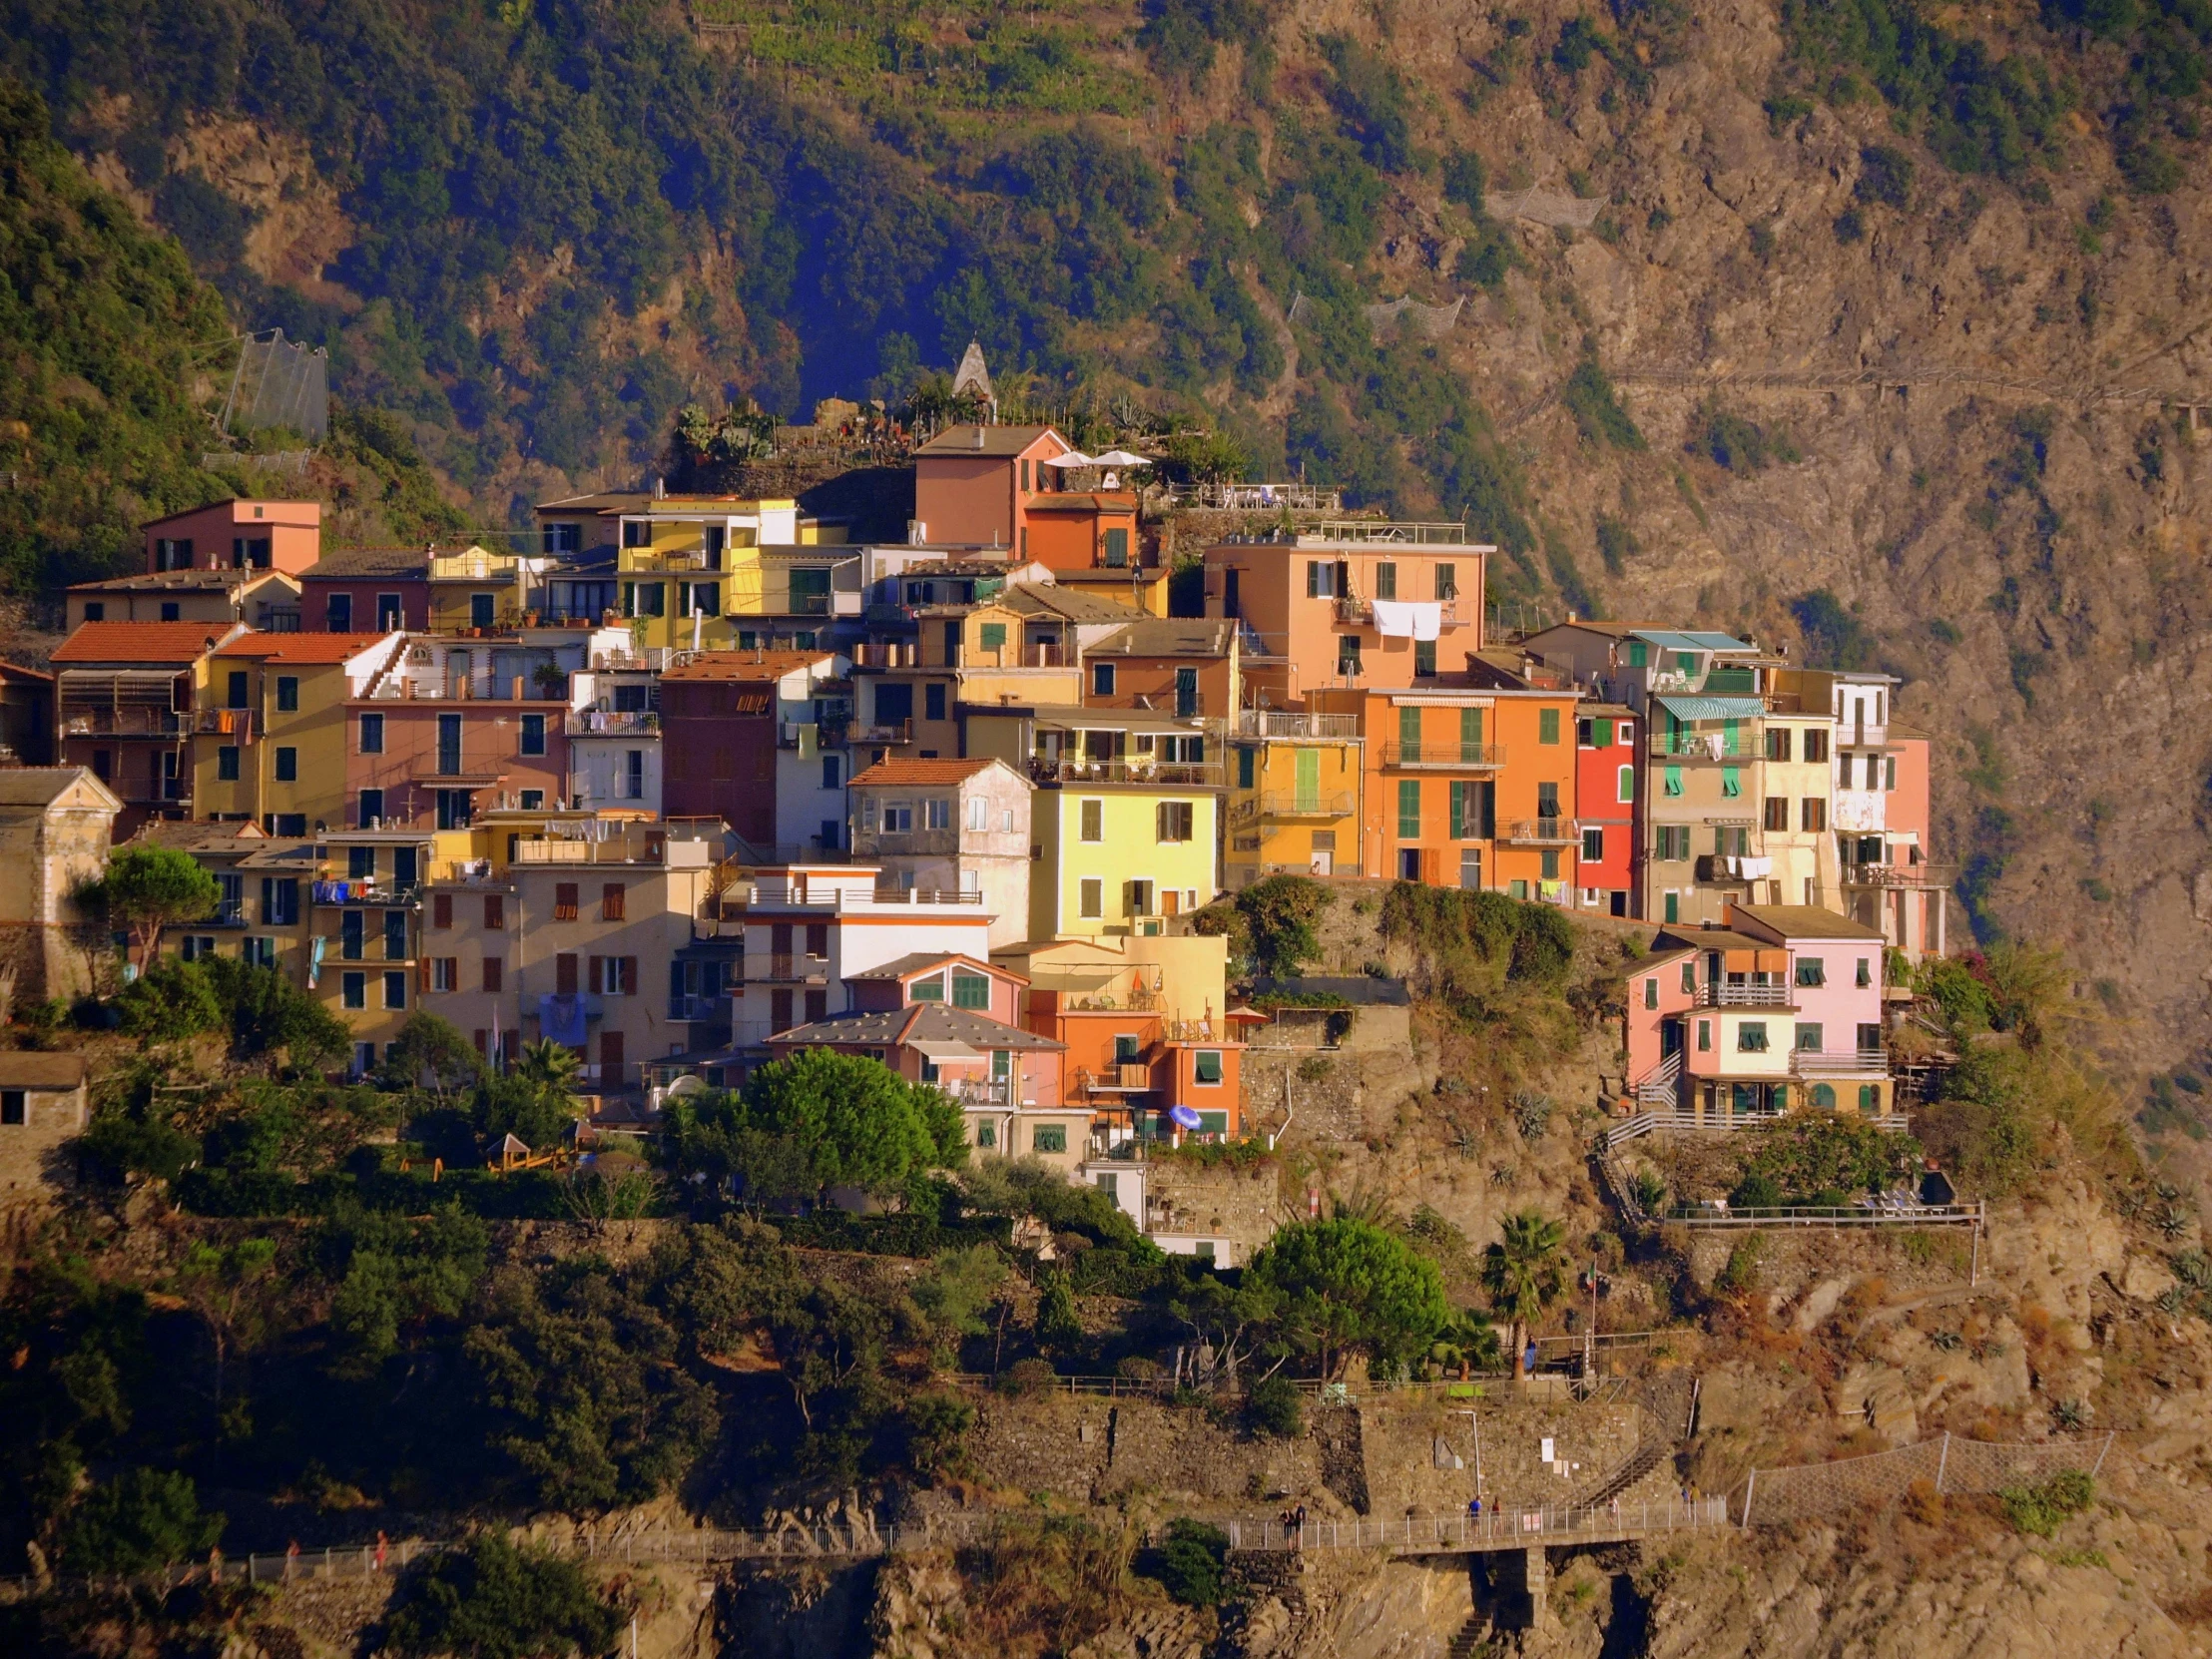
1489	798
441	910
611	901
564	975
422	973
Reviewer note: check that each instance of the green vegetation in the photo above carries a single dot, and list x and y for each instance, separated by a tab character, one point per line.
142	1519
1496	964
1276	1408
1189	1563
1823	1161
1590	398
1834	636
498	1601
1347	1285
1270	925
1738	445
2040	1509
1524	1272
148	888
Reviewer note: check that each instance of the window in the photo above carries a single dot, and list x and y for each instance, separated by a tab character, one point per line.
1815	745
1385	580
932	701
11	1107
1689	978
926	991
1639	654
235	692
986	1135
1777	813
353	990
1409	808
1624	784
611	895
701	598
1672	904
1091	817
441	910
1869	1097
632	787
1175	818
495	974
995	636
1673	782
1448	582
1890	771
1348	655
1732	783
1424	658
937	812
1672	841
1821	1097
1139	899
171	611
227	763
1206	1066
1053	1137
1593	845
96	612
1547	802
564	901
899	817
1585	733
339	612
288	694
1808	1037
373	733
287	766
1812	814
533	800
371	807
279	900
1117	549
971	990
1751	1037
833	771
1548	864
533	734
1471	807
1811	972
387	612
445	974
1321	579
1778	743
1651	993
643	598
1865	976
1548	725
636	533
612	975
1102	679
1704	1030
979	813
564	538
1091	901
1186	692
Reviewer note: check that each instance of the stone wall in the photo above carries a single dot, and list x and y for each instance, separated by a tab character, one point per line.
33	1161
1243	1205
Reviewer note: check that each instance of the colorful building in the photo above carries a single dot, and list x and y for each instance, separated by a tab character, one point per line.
126	702
1364	604
1187	667
958	826
689	567
236	535
1608	764
614	740
449	727
1297	795
273	727
756	740
265	599
367	589
478	593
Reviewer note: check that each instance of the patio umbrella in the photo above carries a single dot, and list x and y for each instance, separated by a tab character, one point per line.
1184	1117
1121	457
1074	457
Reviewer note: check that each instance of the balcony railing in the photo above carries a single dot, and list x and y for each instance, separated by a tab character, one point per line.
901	730
124	723
927	895
1703	746
229	723
613	722
1294	723
1544	832
1291	803
1485	756
1899	875
1126	770
1865	1062
1135	1078
1382	530
986	1092
829	734
685	1006
1742	996
1352	607
227	916
868	843
796	968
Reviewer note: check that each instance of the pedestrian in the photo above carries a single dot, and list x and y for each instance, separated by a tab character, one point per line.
1299	1515
291	1559
383	1543
215	1565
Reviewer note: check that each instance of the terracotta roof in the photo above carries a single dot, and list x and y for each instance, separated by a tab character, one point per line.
1167	637
921	961
1806	921
40	786
142	642
188	836
746	665
889	771
996	442
182	581
306	648
1071	603
1081	501
22	1068
349	563
917	1023
16	671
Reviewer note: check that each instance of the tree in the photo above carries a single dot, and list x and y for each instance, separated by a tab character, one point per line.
170	1003
859	1123
1058	1327
496	1600
432	1046
1468	1340
138	1521
148	888
223	1283
1347	1283
1525	1272
549	1067
952	1294
270	1015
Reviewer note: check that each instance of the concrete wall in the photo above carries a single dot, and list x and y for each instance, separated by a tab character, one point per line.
31	1162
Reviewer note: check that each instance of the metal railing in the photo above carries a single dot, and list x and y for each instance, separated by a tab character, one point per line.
1660	1082
1702	746
1812	1062
1245	498
1544	832
124	723
685	1006
928	895
1676	1120
1279	804
1135	1078
1501	1527
1357	530
1126	770
611	722
1742	996
1294	723
901	730
1931	877
1891	1210
1486	756
787	967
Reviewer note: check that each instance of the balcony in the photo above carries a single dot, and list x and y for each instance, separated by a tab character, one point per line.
691	1007
928	895
1282	804
593	723
1903	876
1703	746
1415	534
985	1093
358	890
1134	1078
1352	607
1744	997
1204	774
124	723
1450	754
1293	724
829	734
468	872
900	731
232	915
787	968
894	844
227	722
1865	1062
1544	832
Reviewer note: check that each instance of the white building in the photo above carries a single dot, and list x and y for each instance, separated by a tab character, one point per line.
961	825
814	704
614	740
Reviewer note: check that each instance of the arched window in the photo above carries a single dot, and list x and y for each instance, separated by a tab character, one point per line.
1823	1098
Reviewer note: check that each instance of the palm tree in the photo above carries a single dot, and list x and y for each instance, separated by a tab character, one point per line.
1467	1339
1524	1273
551	1066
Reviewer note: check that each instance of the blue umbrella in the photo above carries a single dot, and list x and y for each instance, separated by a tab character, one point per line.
1184	1117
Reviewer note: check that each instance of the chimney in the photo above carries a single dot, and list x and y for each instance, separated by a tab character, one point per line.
979	437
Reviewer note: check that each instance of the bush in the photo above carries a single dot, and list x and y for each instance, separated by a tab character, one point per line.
2040	1508
1590	398
1274	1408
138	1521
1189	1561
170	1003
497	1601
938	1427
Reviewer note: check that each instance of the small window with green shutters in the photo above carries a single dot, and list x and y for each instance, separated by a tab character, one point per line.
1651	993
1674	781
1639	654
1207	1062
1732	781
1049	1137
971	990
925	990
986	1135
1213	1123
1408	734
1408	810
995	636
1548	725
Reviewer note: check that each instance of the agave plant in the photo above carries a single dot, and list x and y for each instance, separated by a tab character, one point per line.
2070	1413
2194	1269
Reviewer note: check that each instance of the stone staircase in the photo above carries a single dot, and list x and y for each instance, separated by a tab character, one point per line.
1257	1577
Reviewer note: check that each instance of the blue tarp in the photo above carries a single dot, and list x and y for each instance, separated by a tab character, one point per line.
561	1021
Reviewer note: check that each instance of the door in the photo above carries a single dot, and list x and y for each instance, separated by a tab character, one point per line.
1670	1038
610	1059
1306	771
1186	692
449	746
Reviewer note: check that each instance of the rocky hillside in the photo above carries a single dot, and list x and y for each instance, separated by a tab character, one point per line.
1873	327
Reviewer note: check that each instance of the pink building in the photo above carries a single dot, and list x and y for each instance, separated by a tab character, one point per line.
441	734
1779	1008
237	535
974	484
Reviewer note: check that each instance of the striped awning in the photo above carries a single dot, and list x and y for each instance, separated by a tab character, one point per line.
1713	708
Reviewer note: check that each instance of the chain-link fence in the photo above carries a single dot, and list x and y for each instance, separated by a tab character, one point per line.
1816	1491
279	382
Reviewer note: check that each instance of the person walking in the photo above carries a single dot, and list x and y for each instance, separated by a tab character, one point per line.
291	1559
382	1544
1298	1517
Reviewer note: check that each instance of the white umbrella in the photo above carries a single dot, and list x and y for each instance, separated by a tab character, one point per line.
1120	457
1074	457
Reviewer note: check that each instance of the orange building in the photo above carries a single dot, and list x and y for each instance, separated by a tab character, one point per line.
237	535
995	486
1468	787
1184	665
1361	604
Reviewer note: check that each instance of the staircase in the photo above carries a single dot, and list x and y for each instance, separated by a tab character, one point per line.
1473	1642
1659	1086
1646	1457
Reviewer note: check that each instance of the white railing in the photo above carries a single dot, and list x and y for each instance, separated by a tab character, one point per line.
1659	1084
1742	996
1812	1062
1293	723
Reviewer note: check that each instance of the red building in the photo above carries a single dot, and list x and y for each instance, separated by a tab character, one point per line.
439	737
719	736
237	535
1605	773
367	590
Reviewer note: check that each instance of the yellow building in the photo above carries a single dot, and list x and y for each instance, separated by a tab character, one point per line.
476	591
272	743
689	567
1293	795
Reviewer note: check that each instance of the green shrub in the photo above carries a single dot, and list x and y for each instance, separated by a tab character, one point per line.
1189	1562
496	1601
170	1003
2041	1508
1276	1408
140	1520
1591	399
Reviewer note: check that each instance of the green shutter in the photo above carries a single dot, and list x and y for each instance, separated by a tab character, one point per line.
1471	735
1674	781
1601	732
1548	725
1247	767
995	636
1307	772
1207	1065
1408	810
1638	654
971	990
1459	812
1732	781
1409	732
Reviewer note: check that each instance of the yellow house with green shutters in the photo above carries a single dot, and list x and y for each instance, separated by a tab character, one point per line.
1296	794
693	569
273	741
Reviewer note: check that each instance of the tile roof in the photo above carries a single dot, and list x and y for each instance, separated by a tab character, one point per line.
1806	921
23	1068
141	642
746	665
304	649
1081	501
921	961
1074	604
997	443
16	671
188	836
893	771
36	785
1167	637
348	563
183	581
917	1023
